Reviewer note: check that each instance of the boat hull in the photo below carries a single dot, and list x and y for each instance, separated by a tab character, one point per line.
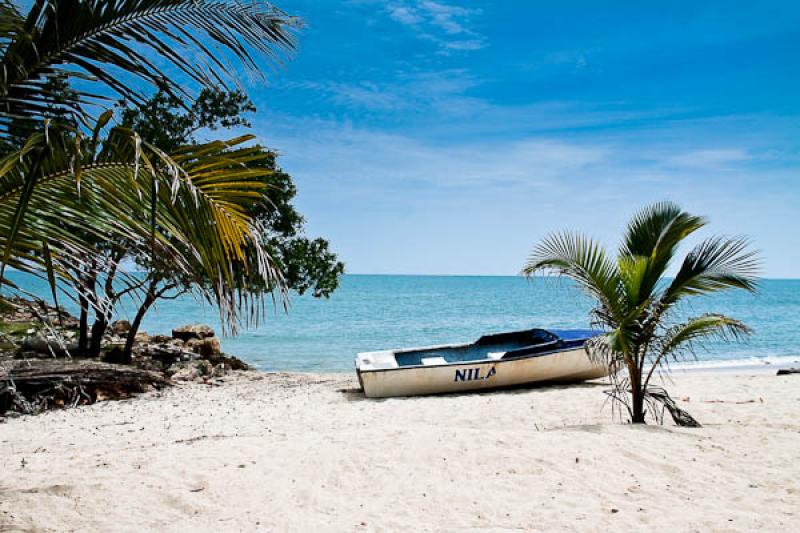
564	365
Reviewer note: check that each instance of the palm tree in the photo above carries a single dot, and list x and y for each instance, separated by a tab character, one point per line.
58	186
122	48
637	305
188	208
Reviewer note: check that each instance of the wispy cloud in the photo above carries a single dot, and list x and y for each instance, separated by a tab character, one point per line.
709	158
502	193
442	91
450	27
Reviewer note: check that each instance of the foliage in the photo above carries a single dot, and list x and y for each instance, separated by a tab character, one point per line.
129	47
637	304
305	264
63	190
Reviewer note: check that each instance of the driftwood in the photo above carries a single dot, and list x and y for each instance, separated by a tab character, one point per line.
787	371
32	386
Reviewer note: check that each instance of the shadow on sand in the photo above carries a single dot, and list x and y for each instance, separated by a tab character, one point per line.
356	394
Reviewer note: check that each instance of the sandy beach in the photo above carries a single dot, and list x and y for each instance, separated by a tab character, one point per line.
301	452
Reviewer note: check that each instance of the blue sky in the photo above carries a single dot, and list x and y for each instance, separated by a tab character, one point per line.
447	138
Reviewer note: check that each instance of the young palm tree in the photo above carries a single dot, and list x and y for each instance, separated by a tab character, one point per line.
636	304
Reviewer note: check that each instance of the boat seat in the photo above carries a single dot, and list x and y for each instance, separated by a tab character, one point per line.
429	361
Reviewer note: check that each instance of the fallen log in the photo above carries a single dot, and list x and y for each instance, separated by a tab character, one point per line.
36	385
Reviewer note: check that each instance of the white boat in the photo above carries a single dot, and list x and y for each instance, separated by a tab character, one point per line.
493	361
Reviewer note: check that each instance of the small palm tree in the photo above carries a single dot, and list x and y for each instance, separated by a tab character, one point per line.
637	304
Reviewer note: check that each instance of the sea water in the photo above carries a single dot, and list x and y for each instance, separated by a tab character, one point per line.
372	312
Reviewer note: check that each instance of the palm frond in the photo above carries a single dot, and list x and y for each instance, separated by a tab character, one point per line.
657	229
582	260
190	211
127	46
716	264
654	233
11	22
683	339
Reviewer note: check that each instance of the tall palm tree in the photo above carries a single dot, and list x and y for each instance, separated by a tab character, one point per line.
637	304
54	192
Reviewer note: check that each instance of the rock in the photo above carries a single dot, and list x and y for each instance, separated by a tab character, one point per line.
165	353
787	371
190	371
231	362
205	347
187	373
146	363
204	367
68	322
160	339
142	337
120	327
47	345
220	370
192	331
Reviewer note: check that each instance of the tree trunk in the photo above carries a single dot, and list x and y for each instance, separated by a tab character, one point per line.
86	285
149	299
637	396
83	327
98	330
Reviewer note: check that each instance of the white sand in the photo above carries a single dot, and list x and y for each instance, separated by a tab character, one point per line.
294	453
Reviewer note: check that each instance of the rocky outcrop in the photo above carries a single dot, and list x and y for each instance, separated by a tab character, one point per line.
198	371
120	327
204	347
192	331
193	353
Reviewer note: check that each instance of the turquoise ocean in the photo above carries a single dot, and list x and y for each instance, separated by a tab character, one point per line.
372	312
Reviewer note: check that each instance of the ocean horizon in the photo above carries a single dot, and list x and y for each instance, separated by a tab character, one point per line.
381	311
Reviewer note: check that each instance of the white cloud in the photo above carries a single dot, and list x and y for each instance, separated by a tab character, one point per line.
448	26
405	15
382	197
330	153
470	44
708	158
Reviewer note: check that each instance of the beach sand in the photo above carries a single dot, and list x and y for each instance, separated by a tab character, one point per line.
300	452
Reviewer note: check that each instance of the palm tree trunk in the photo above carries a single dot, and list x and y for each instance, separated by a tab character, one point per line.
637	395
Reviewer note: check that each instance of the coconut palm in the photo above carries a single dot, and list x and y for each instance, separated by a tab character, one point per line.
637	305
61	192
188	208
121	48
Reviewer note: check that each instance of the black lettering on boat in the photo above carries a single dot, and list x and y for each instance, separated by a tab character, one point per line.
473	374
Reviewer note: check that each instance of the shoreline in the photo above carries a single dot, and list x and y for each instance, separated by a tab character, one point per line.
298	452
750	365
